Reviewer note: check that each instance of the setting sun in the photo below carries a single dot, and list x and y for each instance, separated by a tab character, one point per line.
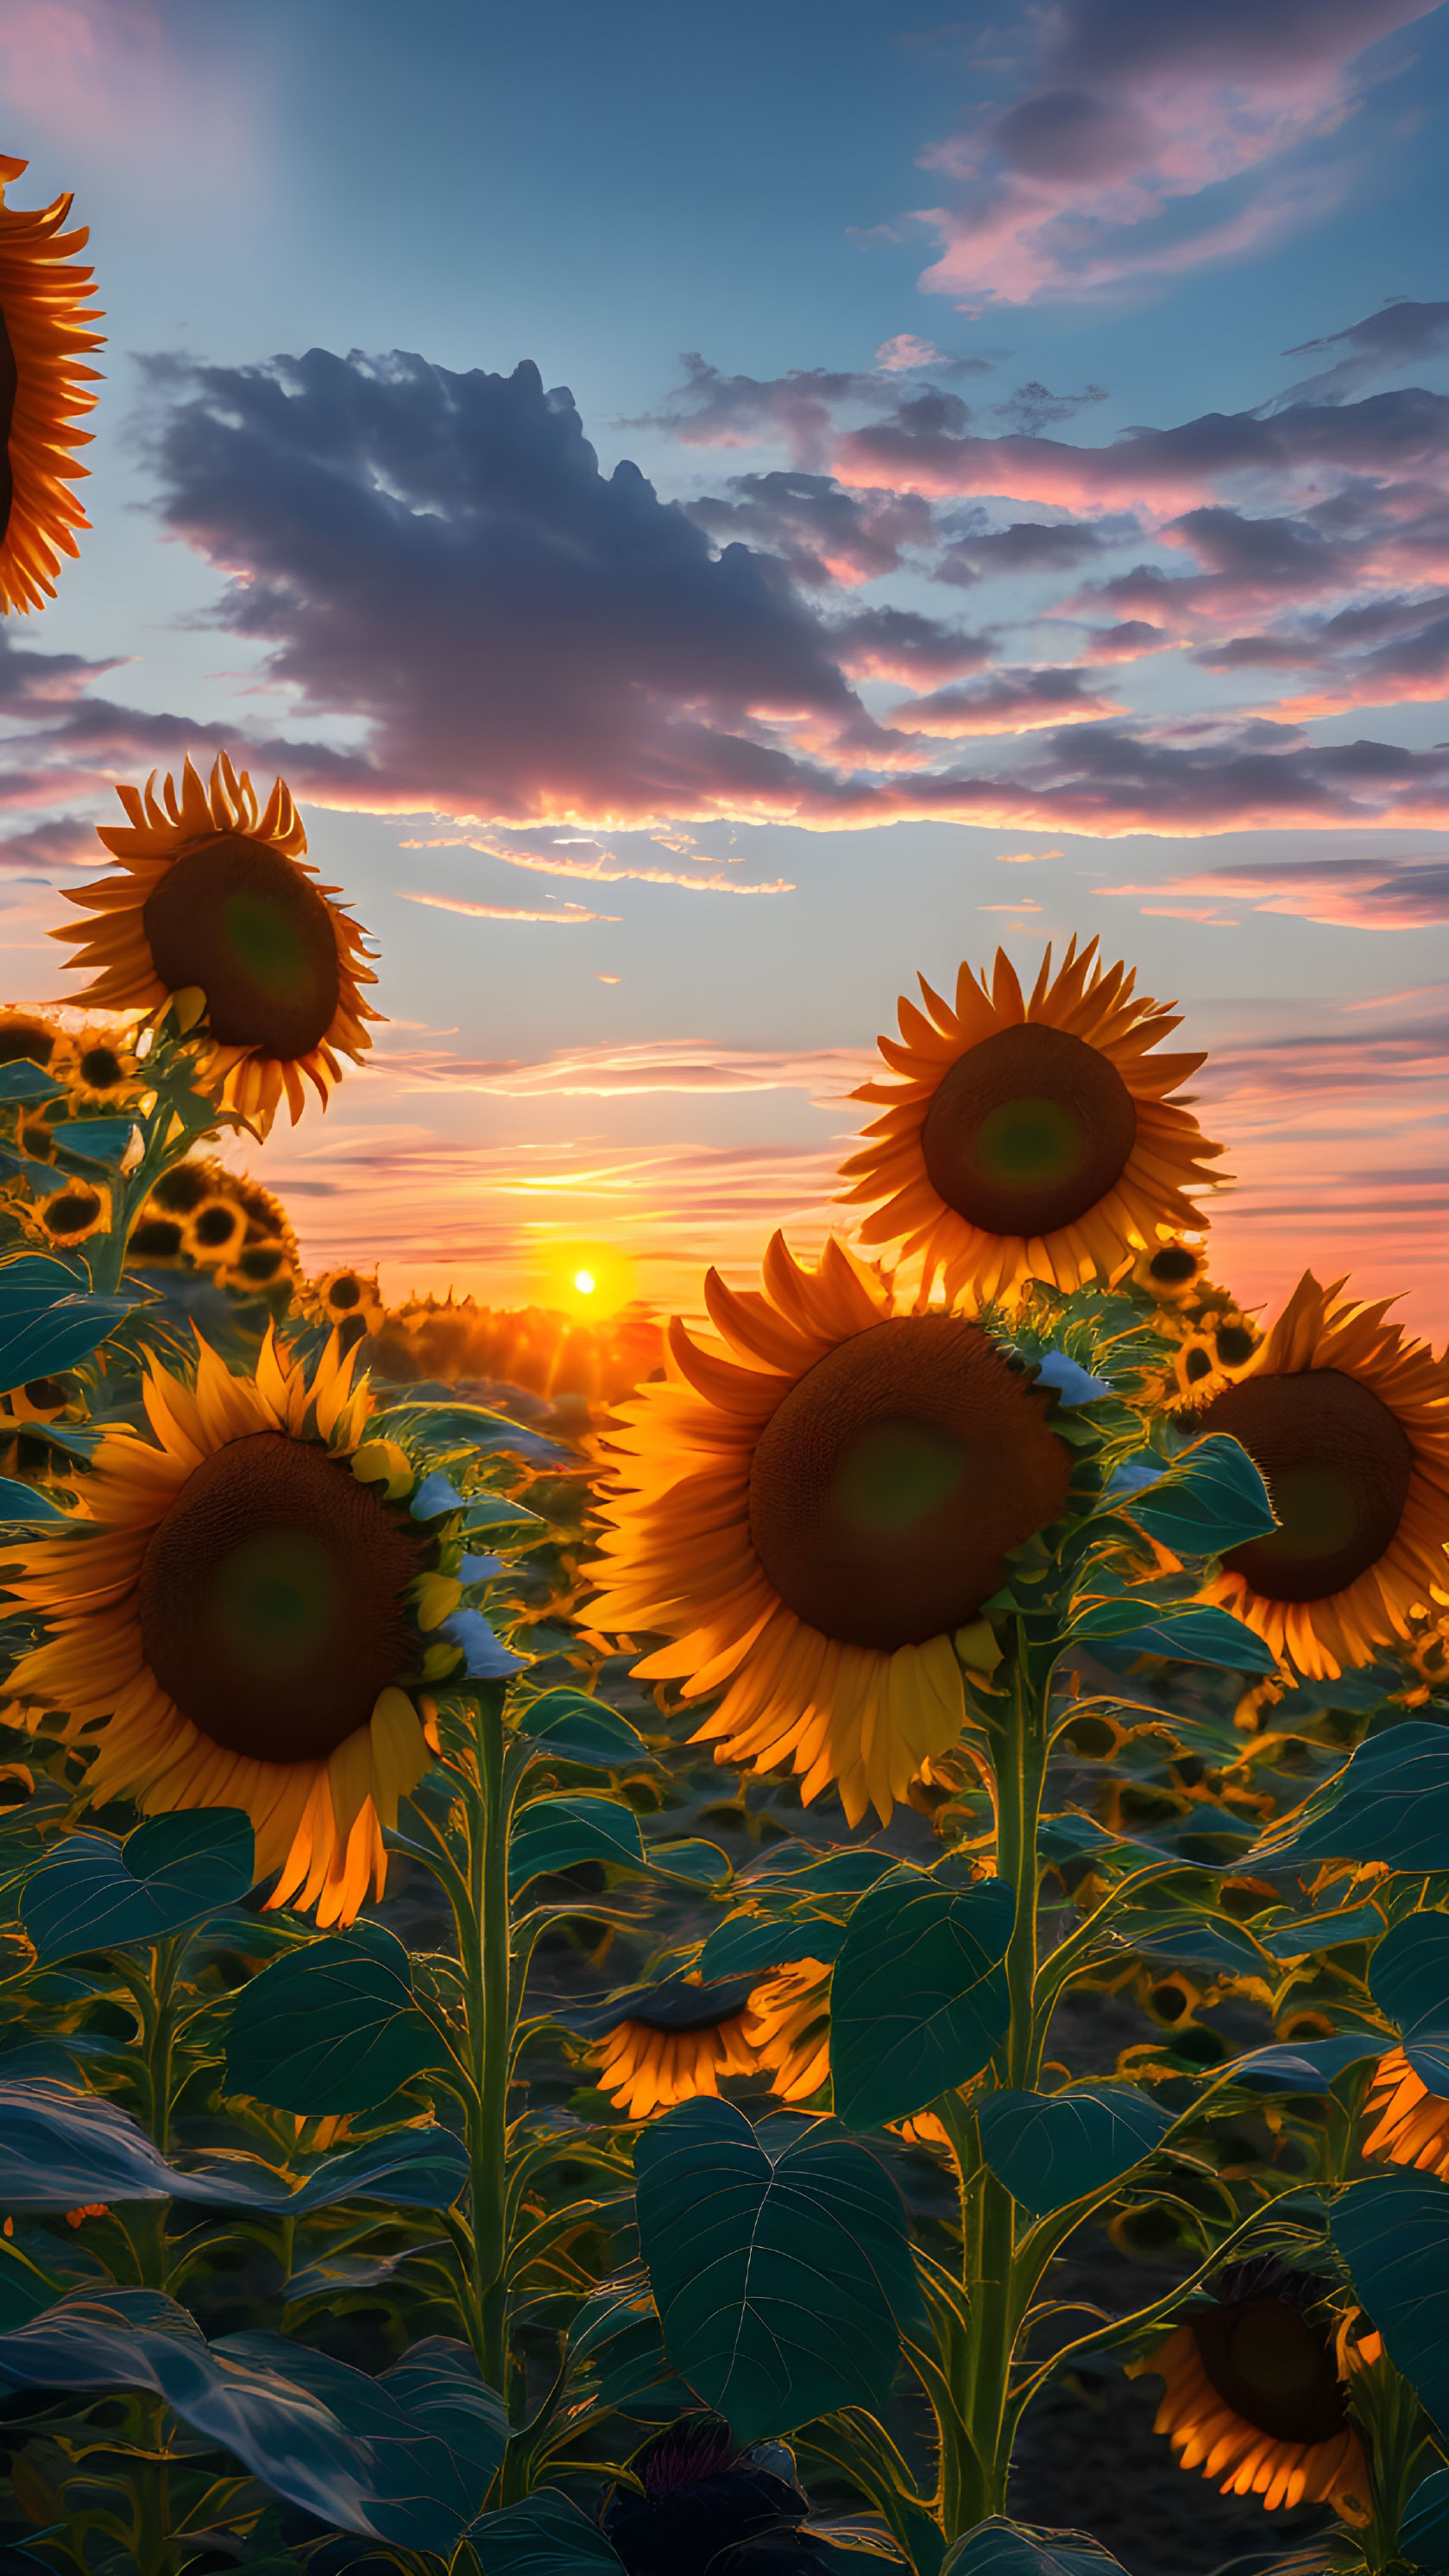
585	1282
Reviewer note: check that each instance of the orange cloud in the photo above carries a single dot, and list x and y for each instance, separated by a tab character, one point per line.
568	915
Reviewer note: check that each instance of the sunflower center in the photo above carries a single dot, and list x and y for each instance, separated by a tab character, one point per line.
100	1067
1028	1131
9	388
244	923
272	1599
20	1044
1173	1266
889	1483
1337	1464
1271	2366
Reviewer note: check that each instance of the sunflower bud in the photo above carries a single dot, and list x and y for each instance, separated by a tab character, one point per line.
382	1462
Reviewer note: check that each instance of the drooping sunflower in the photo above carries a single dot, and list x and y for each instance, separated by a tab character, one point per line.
350	1300
237	1622
672	2041
44	334
789	2028
1348	1423
1413	2123
1255	2393
1030	1137
811	1508
219	911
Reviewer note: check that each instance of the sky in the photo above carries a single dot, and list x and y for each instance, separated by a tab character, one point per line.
792	496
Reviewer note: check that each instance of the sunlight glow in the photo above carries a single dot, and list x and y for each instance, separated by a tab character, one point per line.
585	1282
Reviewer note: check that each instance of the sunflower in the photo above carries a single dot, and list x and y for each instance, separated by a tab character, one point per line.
1169	1270
28	1037
43	389
43	1399
350	1300
789	2028
218	911
1255	2389
70	1216
1413	2123
215	1230
237	1623
103	1073
674	2041
811	1508
1030	1138
1348	1423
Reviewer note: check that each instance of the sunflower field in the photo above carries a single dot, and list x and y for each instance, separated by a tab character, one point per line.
700	1950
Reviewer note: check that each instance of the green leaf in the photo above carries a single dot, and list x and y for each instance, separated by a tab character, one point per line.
1191	1940
1053	2148
1424	2530
331	2028
1210	1499
749	1944
1304	1933
25	2291
1389	1803
780	2262
1200	1634
21	1502
555	1833
463	1430
1393	2234
47	1323
1001	2548
1409	1980
97	1894
95	1140
580	1729
918	2000
694	1863
545	2535
27	1082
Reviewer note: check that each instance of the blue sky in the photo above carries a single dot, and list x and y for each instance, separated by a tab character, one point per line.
1031	270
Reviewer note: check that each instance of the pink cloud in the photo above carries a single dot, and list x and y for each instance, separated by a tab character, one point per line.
569	916
1350	894
603	869
1131	111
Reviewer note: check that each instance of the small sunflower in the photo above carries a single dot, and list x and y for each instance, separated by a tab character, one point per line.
1255	2389
811	1507
44	333
104	1073
28	1037
72	1215
1413	2123
673	2041
214	1231
789	2028
237	1622
1029	1137
1348	1423
218	910
1169	1270
350	1300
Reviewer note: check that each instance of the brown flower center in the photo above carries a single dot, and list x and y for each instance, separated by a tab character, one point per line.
1272	2367
1028	1130
216	1225
1337	1465
1173	1266
344	1293
100	1067
181	1190
243	923
74	1212
271	1599
887	1486
22	1044
9	388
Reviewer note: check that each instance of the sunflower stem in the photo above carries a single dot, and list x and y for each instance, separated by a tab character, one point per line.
974	2484
480	1901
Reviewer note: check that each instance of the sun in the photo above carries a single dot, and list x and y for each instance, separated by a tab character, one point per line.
1030	1136
237	1622
218	912
584	1283
810	1508
588	1279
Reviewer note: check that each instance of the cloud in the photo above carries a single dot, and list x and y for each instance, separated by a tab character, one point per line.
1150	140
711	409
1025	546
1174	470
1403	334
1353	893
824	1074
900	644
569	916
1009	702
602	869
822	535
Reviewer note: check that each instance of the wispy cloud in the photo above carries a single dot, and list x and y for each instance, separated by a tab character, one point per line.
1354	894
603	869
567	916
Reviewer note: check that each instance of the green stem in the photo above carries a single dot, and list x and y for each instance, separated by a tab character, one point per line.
989	2249
488	2149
